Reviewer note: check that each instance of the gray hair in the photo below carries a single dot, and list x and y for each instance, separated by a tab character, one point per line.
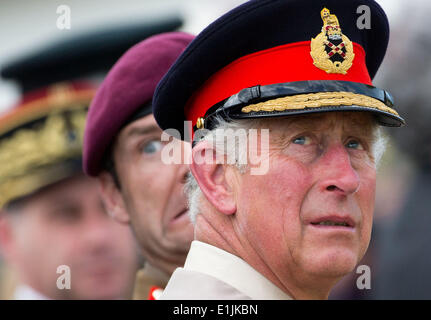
239	152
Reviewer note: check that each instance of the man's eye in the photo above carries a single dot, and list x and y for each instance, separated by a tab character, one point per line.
303	140
152	146
354	144
66	214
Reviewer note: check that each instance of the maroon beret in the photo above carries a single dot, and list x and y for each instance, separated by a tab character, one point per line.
128	87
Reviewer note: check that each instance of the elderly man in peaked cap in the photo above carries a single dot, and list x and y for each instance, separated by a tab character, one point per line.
299	73
122	147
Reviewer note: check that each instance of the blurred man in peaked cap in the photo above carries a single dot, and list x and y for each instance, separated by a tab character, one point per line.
285	210
52	214
82	55
122	147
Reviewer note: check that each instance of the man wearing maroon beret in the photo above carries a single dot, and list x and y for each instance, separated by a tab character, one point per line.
122	147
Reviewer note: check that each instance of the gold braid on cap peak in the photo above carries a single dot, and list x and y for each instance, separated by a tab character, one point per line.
317	100
28	150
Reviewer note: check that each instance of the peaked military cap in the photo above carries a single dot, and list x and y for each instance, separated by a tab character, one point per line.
83	54
271	58
41	138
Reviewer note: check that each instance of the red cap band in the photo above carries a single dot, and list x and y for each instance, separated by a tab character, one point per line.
285	63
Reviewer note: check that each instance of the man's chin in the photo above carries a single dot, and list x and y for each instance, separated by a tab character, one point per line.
332	263
179	242
180	238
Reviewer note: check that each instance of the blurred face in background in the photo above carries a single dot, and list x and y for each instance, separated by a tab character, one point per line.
151	195
66	224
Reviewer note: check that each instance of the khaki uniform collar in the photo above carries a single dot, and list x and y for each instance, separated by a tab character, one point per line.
232	270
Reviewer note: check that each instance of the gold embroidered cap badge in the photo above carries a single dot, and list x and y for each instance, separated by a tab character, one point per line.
331	50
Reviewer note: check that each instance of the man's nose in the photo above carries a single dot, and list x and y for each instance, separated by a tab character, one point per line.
339	175
97	230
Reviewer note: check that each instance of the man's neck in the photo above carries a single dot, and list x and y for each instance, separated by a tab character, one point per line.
205	232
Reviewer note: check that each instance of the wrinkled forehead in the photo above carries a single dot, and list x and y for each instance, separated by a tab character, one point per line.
358	122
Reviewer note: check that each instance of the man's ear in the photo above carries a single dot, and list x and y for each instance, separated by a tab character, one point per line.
210	174
112	198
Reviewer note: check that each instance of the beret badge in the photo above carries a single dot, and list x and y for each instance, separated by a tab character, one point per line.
331	50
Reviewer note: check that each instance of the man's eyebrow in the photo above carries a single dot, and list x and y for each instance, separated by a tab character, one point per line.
363	125
63	203
313	122
139	131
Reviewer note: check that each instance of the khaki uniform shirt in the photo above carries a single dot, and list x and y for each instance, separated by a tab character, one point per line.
211	273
